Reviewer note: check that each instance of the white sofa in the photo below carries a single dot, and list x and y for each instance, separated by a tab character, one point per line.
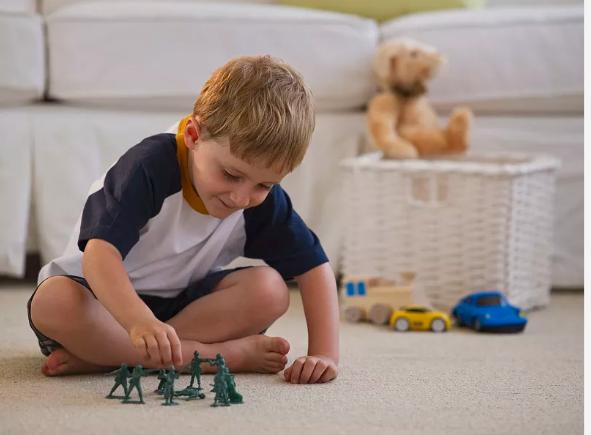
82	81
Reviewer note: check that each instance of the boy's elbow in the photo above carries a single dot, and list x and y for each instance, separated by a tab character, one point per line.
97	249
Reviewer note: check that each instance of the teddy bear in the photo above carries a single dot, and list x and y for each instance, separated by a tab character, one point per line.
401	121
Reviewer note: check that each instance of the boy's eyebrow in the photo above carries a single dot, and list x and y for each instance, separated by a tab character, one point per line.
233	169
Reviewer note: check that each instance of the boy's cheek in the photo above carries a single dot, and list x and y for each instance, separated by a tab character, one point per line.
256	202
260	199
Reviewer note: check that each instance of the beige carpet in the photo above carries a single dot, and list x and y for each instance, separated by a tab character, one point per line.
414	383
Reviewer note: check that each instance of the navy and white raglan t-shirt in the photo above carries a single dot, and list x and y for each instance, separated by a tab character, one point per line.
146	207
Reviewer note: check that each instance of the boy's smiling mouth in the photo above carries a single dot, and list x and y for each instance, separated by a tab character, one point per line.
226	205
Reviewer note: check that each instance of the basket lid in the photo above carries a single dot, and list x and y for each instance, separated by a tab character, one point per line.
481	163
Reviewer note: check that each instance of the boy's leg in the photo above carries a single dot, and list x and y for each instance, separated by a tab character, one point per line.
244	302
68	313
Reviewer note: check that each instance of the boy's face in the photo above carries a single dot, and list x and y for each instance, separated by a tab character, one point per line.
224	182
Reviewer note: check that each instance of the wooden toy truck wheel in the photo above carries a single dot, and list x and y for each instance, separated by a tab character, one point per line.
380	314
353	314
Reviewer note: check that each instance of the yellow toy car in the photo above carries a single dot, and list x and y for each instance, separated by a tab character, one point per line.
419	318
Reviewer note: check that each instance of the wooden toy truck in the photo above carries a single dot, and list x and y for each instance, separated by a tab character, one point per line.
373	298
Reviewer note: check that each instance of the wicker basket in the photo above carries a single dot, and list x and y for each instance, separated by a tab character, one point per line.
462	224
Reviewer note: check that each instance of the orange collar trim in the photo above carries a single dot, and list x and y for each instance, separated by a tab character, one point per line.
182	155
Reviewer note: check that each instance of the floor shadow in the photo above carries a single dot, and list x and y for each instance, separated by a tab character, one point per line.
21	366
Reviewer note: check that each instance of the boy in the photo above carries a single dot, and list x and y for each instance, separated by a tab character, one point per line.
141	281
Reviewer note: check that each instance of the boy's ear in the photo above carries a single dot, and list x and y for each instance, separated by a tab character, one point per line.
192	133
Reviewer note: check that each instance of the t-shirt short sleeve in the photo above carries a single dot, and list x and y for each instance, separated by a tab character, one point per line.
133	192
276	234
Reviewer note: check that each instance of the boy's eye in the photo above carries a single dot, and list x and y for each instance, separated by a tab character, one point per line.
265	186
231	177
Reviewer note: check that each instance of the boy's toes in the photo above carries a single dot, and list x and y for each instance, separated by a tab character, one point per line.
275	364
54	361
279	345
276	358
45	369
276	368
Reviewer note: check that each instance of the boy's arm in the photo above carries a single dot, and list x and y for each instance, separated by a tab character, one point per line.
319	295
103	269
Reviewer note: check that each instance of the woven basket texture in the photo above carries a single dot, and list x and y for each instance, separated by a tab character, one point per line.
463	225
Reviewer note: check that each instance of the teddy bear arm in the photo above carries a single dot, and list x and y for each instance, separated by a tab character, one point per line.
382	116
382	119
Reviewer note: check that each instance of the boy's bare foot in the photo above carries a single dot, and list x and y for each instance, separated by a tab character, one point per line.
61	362
256	353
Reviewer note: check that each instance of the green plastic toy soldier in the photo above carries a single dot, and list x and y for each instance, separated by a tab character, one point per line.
196	370
135	382
120	379
191	392
224	372
221	391
235	396
162	383
171	375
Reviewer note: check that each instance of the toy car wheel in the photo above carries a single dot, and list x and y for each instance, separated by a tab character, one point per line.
402	324
438	325
380	314
353	314
477	325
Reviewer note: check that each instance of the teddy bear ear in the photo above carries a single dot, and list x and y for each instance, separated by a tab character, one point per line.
385	56
393	62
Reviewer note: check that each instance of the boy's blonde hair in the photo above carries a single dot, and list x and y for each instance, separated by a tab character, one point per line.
264	108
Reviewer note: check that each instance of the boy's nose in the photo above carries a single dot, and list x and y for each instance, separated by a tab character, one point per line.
239	200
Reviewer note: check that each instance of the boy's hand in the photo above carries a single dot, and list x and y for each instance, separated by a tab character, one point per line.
311	369
158	341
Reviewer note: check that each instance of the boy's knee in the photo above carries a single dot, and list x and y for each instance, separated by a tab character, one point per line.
54	303
270	290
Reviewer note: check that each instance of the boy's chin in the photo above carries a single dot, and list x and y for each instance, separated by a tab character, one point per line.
218	211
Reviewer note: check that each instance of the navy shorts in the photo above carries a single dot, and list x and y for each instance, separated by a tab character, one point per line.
163	308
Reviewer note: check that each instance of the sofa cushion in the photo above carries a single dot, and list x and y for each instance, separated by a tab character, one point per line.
49	6
160	55
22	64
382	10
18	6
15	187
504	60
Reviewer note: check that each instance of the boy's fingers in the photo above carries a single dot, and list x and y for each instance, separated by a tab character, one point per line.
152	348
286	373
175	345
140	344
296	370
317	373
164	349
307	370
329	374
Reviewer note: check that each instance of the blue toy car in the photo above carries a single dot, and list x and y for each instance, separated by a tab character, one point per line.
488	311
